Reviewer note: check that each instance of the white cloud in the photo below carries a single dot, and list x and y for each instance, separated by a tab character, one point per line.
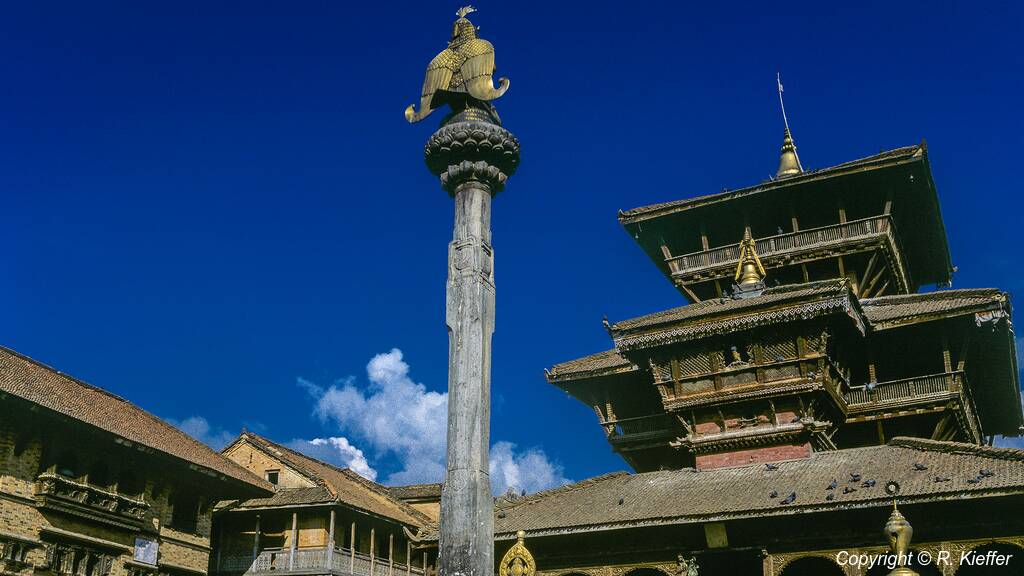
336	450
396	416
531	470
198	428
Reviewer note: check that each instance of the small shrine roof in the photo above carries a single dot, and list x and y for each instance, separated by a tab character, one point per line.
889	311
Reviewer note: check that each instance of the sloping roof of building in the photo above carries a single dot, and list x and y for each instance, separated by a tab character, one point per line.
896	156
710	317
344	486
285	497
890	311
416	491
32	381
952	470
602	363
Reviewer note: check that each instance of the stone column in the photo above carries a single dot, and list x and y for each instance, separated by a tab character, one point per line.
473	156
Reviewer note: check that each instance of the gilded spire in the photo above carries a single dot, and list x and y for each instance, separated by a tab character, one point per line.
789	161
750	273
899	533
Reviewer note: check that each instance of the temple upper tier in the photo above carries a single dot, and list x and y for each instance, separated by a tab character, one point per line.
875	221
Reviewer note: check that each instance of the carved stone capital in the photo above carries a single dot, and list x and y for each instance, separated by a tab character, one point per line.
472	151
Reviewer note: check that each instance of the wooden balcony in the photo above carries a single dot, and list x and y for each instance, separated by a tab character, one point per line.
906	392
776	250
342	561
62	494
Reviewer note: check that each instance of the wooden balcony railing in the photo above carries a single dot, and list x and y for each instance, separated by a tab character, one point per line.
315	560
784	243
893	392
56	492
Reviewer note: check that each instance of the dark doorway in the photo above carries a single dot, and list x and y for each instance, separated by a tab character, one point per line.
729	563
812	566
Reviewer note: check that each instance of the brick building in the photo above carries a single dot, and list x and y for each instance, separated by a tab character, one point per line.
320	519
92	485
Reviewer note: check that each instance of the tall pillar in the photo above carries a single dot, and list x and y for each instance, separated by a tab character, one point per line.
473	156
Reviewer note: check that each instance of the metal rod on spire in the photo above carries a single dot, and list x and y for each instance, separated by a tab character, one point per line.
778	80
789	162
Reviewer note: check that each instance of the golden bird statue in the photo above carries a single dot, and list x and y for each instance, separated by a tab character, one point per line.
462	70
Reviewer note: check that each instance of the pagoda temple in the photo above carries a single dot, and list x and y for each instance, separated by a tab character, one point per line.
809	384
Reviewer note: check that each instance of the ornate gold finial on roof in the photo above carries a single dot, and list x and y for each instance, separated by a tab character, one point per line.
789	162
461	75
750	273
518	561
899	532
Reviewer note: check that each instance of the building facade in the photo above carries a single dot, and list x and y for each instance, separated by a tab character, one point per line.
320	520
772	422
92	485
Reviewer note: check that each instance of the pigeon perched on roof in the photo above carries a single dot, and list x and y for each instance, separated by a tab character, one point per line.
621	500
848	490
770	466
773	494
789	499
830	496
867	484
919	466
973	480
833	485
985	473
942	478
854	477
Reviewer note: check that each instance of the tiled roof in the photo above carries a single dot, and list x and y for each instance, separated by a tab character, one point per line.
348	487
779	304
286	497
881	159
39	384
607	362
905	308
416	491
682	496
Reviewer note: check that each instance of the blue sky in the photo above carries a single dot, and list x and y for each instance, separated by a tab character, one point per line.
217	210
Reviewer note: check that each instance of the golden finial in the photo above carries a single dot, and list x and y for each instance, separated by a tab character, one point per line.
789	162
461	75
899	532
518	561
749	271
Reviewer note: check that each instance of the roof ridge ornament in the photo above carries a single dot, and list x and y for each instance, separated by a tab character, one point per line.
789	161
750	273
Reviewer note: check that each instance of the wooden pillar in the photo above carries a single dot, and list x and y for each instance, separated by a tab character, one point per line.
947	360
424	563
373	547
704	244
295	540
330	543
256	540
391	554
842	215
352	556
881	432
220	543
408	558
